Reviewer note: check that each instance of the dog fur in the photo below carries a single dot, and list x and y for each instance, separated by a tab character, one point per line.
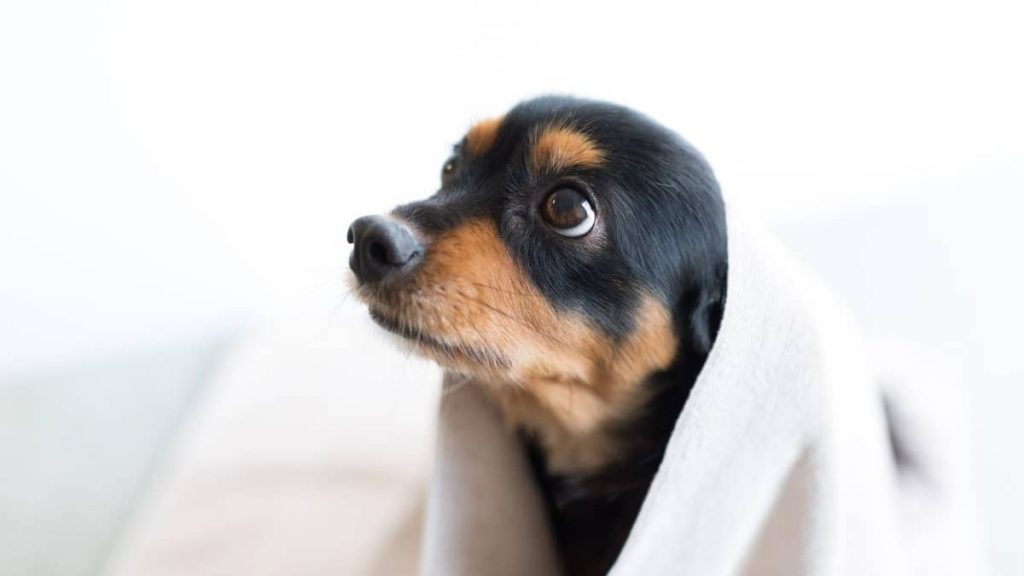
590	344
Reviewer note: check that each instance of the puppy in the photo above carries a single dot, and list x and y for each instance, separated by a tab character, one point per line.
573	262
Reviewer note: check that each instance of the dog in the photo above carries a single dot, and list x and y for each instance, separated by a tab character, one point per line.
573	263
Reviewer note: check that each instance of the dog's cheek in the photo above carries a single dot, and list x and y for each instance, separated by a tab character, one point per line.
487	298
479	295
650	347
473	282
594	378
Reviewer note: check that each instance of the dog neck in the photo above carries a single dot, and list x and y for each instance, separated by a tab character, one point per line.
571	424
580	431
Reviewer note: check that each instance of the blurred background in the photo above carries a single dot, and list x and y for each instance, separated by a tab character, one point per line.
186	389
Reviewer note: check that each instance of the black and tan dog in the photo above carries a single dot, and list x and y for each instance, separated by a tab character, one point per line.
574	262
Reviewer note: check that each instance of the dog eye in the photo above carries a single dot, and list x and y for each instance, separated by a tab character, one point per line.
569	212
448	170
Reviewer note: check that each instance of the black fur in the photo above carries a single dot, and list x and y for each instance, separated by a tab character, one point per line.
664	232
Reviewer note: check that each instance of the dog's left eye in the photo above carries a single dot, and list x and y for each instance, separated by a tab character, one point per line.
568	212
448	170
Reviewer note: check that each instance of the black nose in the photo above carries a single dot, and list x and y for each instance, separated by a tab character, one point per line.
382	247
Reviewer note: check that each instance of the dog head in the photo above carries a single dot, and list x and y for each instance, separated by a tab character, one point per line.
574	248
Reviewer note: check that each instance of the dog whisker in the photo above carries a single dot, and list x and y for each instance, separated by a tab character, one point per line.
456	387
496	289
519	321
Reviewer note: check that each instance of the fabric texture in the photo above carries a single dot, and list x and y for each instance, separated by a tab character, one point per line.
780	462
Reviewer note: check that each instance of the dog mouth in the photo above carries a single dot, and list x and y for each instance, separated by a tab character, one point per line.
419	338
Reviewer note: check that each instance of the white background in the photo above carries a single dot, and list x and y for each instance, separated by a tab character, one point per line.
169	169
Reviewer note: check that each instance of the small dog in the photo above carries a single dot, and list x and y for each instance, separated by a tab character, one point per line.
574	263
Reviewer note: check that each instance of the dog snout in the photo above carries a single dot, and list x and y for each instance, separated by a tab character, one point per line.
382	247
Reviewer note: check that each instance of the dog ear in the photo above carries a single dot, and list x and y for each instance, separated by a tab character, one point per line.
701	315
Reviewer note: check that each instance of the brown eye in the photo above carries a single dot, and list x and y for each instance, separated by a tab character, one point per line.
568	212
448	169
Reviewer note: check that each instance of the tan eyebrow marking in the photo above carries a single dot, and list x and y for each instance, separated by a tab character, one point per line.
481	136
562	147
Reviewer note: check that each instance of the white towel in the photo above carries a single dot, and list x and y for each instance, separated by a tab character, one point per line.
780	462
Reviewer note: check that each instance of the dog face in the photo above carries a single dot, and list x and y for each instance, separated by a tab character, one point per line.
574	248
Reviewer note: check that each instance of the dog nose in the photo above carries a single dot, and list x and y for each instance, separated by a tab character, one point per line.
382	247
